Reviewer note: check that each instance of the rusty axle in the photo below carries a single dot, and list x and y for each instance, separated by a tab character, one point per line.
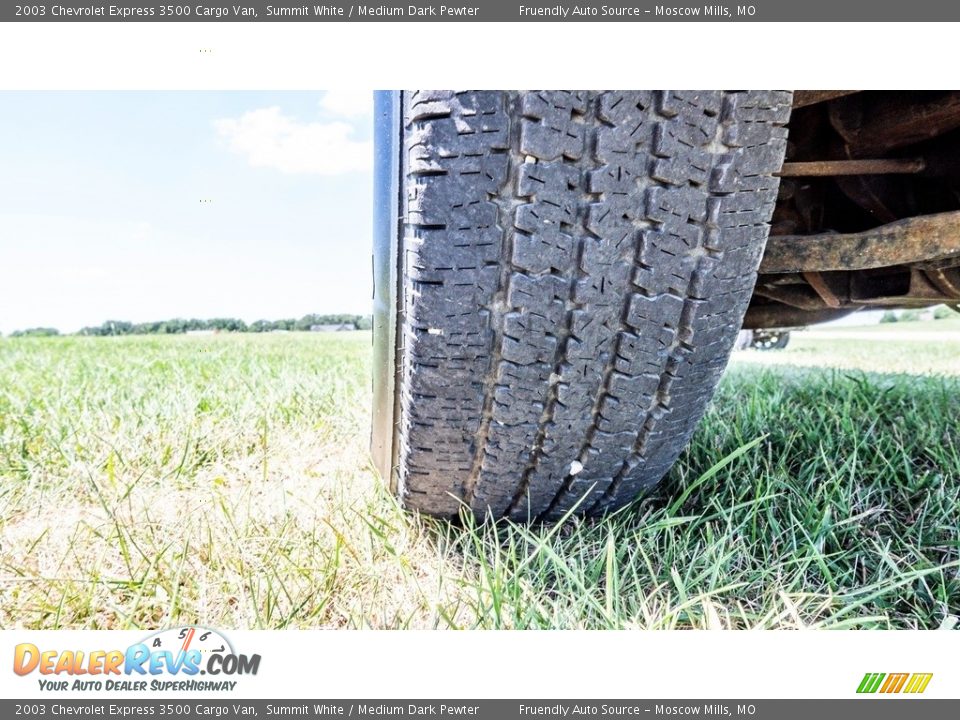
917	239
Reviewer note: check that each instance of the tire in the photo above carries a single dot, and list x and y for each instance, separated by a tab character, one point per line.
770	339
572	271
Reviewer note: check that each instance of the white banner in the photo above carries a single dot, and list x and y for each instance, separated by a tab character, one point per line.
482	665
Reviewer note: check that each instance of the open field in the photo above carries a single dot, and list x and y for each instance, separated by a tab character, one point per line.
150	481
935	334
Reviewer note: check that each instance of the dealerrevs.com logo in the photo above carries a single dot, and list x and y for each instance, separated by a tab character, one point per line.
168	660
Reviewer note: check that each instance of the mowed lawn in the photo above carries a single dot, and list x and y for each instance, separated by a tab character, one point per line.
153	481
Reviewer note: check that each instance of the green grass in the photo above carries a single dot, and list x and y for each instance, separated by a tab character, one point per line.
225	480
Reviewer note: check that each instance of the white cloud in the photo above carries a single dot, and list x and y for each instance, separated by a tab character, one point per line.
268	138
348	103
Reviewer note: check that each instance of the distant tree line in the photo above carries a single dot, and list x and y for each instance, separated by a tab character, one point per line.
179	325
940	312
36	332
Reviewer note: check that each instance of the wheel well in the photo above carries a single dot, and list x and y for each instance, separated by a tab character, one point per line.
868	211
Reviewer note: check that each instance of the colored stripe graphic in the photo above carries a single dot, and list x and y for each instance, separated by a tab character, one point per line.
918	682
893	683
870	682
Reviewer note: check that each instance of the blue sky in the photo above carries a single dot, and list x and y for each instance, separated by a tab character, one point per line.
101	214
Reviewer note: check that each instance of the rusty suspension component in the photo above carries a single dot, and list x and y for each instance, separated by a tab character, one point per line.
918	239
836	168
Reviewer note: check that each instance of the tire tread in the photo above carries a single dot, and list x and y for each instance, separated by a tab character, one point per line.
576	266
